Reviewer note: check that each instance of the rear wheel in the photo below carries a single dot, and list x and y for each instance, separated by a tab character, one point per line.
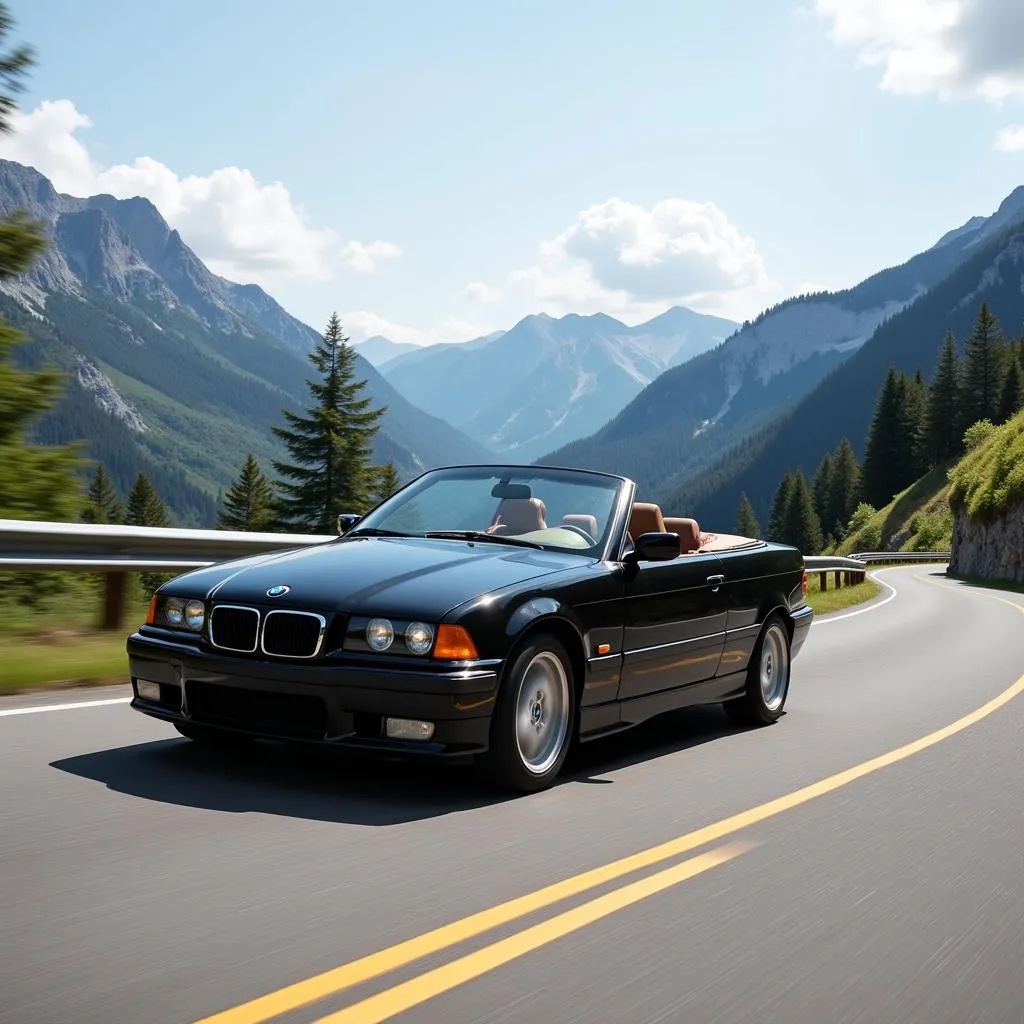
767	678
532	725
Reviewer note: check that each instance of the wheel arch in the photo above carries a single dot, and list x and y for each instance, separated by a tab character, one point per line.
545	615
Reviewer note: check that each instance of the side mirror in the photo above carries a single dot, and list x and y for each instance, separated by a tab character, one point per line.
346	521
655	547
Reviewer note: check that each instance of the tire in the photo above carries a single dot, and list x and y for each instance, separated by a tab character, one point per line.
768	678
530	738
211	738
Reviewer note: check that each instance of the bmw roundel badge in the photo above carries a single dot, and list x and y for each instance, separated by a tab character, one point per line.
278	590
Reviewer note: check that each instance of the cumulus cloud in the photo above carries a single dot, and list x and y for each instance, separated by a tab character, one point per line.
1010	139
364	258
623	258
361	324
477	291
955	48
241	228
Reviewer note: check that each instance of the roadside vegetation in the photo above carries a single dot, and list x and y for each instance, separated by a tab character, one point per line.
833	600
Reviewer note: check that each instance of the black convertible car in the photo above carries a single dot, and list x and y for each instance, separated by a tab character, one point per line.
499	611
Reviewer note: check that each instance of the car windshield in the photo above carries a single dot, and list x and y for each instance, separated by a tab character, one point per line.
547	508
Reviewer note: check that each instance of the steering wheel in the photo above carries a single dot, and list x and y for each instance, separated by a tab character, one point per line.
591	541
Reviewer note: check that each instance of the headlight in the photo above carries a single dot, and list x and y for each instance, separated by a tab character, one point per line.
174	611
380	634
195	612
418	637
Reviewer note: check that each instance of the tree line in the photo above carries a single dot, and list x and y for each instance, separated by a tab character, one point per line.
916	427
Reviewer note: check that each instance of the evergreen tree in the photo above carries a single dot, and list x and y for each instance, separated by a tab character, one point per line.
146	509
746	521
915	406
102	504
331	446
387	482
821	487
1011	399
780	506
844	488
249	503
889	463
802	527
941	436
36	481
983	370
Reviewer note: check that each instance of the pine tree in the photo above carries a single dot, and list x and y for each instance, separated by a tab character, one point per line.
821	487
889	464
249	503
331	446
386	483
146	509
802	527
36	482
102	504
746	521
983	370
779	509
1011	400
844	489
915	407
941	436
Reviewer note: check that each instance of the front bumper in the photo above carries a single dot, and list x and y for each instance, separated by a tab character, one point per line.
337	704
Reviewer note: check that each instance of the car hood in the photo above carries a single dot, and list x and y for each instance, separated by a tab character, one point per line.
411	576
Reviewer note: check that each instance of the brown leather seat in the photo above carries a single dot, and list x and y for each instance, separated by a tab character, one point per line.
520	515
588	523
645	517
688	530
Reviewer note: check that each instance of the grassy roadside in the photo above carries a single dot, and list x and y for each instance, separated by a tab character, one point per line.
833	600
54	642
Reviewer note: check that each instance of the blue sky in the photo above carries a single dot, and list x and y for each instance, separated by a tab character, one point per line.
469	137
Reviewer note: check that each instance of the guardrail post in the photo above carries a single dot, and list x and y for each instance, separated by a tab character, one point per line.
115	586
823	581
839	579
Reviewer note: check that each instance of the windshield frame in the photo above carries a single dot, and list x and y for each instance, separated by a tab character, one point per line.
618	517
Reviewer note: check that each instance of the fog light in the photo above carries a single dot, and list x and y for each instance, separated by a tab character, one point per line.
147	690
408	729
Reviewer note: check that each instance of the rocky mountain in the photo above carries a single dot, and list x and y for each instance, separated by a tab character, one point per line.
547	381
842	405
173	370
709	413
378	350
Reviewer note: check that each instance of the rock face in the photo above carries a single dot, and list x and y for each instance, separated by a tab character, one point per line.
991	550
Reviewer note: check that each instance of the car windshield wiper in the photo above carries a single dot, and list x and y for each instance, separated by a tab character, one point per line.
480	535
375	531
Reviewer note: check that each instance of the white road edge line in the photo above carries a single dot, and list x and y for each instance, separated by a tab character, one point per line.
861	611
39	708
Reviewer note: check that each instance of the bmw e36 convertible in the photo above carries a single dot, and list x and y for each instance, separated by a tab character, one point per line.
492	612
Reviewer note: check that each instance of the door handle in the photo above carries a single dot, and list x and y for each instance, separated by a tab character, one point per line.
715	581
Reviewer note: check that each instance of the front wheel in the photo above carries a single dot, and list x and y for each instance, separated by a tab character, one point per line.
532	725
767	678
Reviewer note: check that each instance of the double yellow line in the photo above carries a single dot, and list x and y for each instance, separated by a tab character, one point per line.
425	986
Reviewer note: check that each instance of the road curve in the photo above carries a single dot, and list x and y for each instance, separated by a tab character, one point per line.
143	880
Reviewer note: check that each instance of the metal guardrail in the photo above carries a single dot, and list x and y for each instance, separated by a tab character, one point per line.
115	551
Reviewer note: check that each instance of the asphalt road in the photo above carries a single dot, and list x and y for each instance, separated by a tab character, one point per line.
142	880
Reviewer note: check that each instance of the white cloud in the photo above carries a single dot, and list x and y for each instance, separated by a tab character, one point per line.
956	48
240	228
1010	139
361	324
477	291
620	257
364	258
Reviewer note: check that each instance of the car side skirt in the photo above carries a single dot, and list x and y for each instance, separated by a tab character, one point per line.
615	716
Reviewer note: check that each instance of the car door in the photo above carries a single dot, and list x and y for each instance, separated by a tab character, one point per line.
675	613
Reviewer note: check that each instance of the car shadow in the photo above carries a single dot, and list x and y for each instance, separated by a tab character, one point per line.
329	785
